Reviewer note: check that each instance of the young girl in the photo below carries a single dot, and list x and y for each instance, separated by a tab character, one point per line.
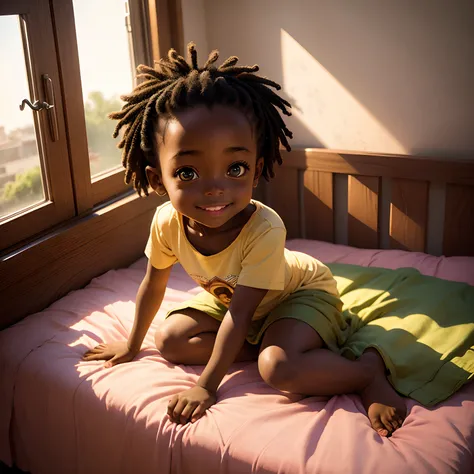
204	137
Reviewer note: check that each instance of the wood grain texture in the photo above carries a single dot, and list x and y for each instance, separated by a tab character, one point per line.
68	57
406	225
113	237
459	221
283	197
390	166
318	206
363	210
408	215
177	27
110	184
166	26
140	32
341	213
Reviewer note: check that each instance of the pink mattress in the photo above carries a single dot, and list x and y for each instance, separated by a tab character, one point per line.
61	415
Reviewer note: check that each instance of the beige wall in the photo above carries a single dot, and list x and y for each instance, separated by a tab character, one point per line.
377	75
194	24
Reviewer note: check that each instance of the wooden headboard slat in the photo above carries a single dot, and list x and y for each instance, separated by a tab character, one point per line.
408	215
459	221
376	200
283	194
318	206
363	208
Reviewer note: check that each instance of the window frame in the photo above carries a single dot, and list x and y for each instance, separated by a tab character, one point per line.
89	191
72	173
58	206
146	18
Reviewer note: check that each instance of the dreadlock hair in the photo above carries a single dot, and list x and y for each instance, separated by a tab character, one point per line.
175	84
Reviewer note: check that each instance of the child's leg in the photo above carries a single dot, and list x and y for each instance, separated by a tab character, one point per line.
188	337
293	358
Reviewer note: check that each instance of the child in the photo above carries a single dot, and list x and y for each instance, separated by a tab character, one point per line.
205	136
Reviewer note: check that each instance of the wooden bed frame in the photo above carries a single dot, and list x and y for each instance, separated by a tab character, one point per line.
359	199
376	201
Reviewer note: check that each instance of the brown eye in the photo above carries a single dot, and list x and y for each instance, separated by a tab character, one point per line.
237	170
186	174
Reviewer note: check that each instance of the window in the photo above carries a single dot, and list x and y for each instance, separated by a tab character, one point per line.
19	154
35	178
99	46
67	62
105	73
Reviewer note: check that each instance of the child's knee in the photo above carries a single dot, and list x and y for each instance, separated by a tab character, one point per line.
169	340
276	368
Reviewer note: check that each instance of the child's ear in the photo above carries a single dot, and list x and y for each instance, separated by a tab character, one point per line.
154	180
258	172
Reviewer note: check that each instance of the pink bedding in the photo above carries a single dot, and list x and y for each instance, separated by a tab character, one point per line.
61	415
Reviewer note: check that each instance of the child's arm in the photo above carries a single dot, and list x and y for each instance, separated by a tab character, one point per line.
149	298
191	404
231	335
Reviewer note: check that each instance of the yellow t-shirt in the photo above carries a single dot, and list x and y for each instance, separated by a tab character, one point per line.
256	258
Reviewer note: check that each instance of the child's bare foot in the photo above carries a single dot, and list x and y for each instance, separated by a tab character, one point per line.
385	408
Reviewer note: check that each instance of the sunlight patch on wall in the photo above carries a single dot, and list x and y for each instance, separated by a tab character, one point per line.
326	108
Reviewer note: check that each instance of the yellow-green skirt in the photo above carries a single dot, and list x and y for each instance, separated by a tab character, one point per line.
316	308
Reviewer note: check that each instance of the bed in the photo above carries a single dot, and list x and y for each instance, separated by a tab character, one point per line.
61	415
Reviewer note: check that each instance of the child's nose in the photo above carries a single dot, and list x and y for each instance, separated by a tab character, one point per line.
214	188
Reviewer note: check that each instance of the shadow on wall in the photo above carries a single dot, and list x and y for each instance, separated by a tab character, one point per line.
326	108
393	77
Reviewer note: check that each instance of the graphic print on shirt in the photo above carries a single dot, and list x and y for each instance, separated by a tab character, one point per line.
221	289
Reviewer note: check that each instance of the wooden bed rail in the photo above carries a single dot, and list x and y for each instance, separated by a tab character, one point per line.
376	200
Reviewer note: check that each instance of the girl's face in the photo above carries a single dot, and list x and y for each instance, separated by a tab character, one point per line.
208	163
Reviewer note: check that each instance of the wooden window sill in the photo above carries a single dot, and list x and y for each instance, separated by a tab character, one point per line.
111	236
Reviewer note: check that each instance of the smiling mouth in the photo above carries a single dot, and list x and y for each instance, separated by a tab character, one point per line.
216	208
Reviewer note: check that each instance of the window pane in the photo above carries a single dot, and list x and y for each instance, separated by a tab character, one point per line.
107	70
20	172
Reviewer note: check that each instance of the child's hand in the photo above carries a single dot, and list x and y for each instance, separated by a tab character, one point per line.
115	353
190	405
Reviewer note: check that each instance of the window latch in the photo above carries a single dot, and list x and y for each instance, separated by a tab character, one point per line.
41	104
36	105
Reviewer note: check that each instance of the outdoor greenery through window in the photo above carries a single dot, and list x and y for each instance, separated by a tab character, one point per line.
107	71
20	172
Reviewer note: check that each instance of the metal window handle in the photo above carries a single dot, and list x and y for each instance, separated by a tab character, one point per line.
46	105
36	105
